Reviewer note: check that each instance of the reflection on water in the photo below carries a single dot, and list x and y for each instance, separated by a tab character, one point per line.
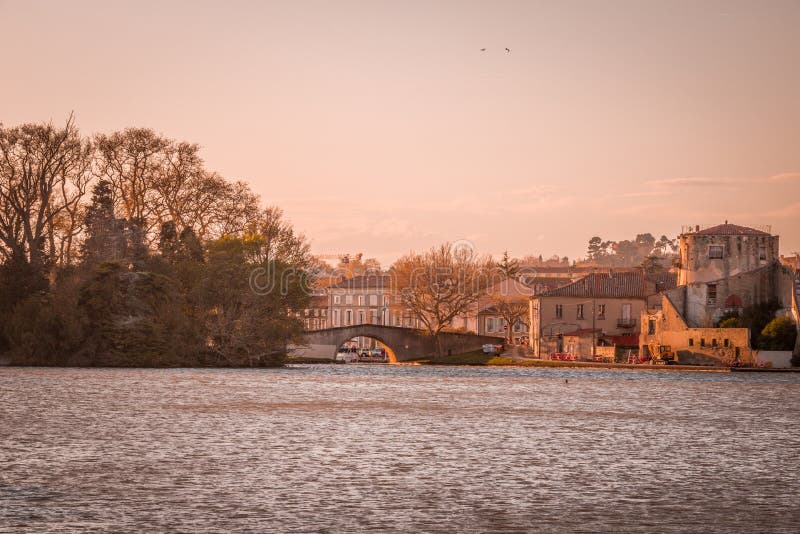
350	448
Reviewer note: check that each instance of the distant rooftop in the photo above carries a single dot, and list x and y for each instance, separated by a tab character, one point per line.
369	281
727	229
615	284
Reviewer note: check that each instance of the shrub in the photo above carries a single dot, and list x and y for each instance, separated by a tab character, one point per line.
726	322
779	334
730	322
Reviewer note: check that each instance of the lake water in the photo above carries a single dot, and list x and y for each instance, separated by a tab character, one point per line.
398	448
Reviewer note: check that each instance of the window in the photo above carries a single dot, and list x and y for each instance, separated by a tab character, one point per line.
490	324
691	342
580	311
337	299
348	299
373	316
336	321
714	342
373	300
348	317
361	300
715	251
386	300
651	327
726	342
559	311
711	293
762	252
601	311
361	317
702	342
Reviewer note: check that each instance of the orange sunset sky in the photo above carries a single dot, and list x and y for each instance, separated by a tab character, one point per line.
381	127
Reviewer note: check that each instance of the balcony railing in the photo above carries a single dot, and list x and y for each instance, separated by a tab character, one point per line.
626	322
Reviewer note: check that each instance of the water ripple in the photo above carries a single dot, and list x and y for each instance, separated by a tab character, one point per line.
394	448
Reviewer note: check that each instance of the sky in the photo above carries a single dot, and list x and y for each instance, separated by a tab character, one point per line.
381	127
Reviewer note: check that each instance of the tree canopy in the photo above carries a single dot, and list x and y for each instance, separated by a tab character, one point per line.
124	249
440	284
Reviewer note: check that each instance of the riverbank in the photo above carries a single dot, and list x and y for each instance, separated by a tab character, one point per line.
489	360
479	359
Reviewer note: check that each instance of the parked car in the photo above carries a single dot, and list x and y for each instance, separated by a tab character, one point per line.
346	356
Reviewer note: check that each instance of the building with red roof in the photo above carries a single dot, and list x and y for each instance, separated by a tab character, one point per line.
604	303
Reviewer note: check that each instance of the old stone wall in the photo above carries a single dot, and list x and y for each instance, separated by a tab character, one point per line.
795	312
741	253
703	306
697	346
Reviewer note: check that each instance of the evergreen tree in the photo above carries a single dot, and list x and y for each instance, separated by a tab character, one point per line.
509	267
190	248
168	243
105	239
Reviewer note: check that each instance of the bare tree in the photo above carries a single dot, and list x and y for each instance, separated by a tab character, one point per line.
513	311
132	161
156	179
357	265
232	209
179	184
440	285
274	239
44	172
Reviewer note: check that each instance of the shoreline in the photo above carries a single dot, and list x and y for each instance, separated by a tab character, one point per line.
572	365
541	364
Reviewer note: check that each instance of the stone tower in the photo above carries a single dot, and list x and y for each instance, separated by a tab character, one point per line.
723	251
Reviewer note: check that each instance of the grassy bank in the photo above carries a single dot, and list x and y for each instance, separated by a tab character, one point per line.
481	359
300	359
478	358
469	358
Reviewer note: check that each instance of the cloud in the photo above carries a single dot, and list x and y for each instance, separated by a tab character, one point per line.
716	182
695	182
530	191
784	177
634	194
792	211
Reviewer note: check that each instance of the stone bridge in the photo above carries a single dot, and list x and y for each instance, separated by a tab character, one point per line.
402	344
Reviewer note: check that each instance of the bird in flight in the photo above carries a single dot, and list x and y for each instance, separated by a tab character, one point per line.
508	50
483	50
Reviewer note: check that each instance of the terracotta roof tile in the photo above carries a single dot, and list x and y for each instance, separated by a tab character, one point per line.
729	229
606	285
